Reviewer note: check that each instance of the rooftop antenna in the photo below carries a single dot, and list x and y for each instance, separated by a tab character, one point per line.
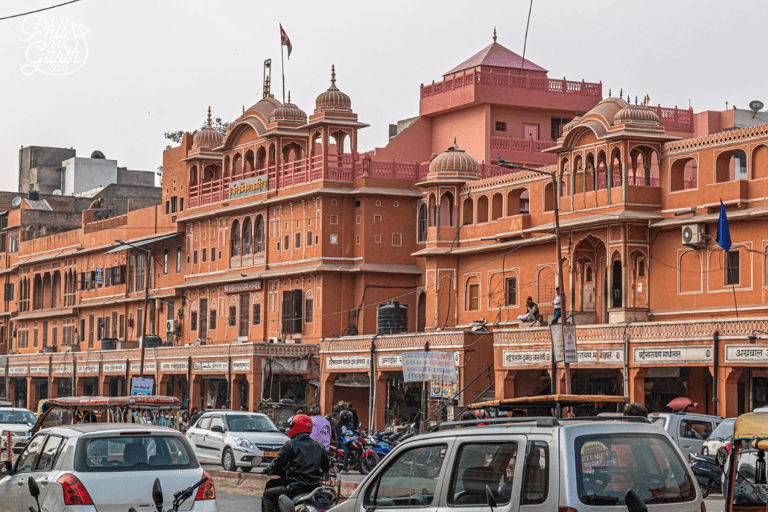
755	106
525	41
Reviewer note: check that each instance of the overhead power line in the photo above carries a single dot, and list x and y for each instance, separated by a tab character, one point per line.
37	10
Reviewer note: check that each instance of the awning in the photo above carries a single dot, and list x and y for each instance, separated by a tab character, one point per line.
132	245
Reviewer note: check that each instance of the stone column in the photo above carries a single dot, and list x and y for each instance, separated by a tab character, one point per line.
624	180
728	391
380	416
197	390
31	385
609	182
505	384
234	394
327	392
637	385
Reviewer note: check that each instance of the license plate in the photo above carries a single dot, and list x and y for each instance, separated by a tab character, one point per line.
270	454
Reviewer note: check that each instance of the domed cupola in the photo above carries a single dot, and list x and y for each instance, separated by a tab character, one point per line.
636	114
573	122
208	136
453	164
333	98
288	112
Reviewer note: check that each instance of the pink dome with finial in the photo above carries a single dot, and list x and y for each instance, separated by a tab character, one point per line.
208	136
333	98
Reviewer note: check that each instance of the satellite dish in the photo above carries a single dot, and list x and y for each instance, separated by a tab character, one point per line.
755	106
57	192
16	201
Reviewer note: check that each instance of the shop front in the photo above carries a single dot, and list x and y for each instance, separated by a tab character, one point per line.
346	376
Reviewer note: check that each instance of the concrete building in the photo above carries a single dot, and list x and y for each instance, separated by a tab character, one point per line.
40	168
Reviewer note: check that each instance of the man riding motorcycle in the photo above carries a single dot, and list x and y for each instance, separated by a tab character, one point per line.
301	463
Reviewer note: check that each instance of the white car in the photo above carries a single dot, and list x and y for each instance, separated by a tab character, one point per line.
101	467
18	423
235	439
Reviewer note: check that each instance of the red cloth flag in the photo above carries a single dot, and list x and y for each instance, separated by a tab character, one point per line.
285	41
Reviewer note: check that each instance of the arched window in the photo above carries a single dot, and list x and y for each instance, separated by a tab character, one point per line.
259	235
235	238
468	211
193	175
247	236
432	210
423	219
446	210
472	294
497	206
261	157
482	209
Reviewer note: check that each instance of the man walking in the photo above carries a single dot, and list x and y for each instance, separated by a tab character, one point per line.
556	304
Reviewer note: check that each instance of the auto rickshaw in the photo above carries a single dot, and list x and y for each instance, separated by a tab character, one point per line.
544	405
745	469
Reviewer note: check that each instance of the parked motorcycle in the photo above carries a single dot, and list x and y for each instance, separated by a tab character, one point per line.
362	456
707	472
179	497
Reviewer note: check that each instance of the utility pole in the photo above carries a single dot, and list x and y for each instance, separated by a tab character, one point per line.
558	248
147	277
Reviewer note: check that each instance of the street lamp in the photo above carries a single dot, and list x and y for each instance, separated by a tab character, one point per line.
753	336
146	303
559	259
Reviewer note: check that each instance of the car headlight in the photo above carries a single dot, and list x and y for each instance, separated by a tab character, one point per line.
241	441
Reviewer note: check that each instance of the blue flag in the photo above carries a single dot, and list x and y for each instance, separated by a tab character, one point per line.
723	233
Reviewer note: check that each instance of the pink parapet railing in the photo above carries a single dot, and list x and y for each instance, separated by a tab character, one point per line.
508	79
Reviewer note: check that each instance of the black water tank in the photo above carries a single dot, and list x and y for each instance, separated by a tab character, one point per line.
108	343
393	318
151	341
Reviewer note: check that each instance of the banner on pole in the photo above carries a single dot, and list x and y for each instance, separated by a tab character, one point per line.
433	365
556	331
569	344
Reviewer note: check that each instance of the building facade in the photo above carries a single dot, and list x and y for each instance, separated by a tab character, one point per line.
261	273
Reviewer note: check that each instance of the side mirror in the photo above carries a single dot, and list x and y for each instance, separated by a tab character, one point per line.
6	468
157	494
217	428
285	504
489	497
634	503
34	490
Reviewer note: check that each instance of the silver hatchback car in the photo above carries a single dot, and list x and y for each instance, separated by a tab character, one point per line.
533	464
92	467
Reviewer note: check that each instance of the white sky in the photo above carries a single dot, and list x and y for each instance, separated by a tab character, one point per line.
155	66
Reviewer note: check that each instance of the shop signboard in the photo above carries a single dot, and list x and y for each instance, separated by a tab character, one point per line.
569	344
17	370
113	368
99	276
526	357
142	387
148	367
675	355
174	366
432	365
556	332
210	366
38	370
444	390
63	368
87	368
348	362
390	361
745	354
248	286
241	365
249	187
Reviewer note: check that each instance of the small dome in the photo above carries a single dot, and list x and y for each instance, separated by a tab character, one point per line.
333	98
288	112
264	106
208	136
636	114
454	161
569	126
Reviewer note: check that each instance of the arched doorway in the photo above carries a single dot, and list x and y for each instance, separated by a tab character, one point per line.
421	319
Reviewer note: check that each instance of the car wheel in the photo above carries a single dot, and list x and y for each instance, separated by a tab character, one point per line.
246	469
228	460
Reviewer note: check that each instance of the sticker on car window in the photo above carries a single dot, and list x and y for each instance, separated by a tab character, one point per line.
592	455
95	460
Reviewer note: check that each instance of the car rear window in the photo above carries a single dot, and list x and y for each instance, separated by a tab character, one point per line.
723	430
609	465
659	420
133	453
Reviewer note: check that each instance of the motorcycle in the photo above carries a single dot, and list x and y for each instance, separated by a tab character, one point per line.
707	472
362	456
319	500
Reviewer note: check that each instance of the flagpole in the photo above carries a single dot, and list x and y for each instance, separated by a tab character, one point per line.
282	67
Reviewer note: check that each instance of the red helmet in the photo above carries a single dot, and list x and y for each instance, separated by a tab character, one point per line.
300	424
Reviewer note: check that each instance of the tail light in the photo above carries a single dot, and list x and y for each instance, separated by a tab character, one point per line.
570	509
74	491
728	447
207	491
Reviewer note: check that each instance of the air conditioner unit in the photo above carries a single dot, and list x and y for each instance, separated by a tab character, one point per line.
693	235
170	326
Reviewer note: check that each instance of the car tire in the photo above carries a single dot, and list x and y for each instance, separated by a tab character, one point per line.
246	469
228	460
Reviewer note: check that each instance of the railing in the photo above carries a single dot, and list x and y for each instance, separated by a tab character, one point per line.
112	222
680	120
508	79
524	145
728	137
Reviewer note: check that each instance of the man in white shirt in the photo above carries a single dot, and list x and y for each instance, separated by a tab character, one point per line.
556	304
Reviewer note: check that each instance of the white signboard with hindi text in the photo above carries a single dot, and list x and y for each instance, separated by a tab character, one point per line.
691	354
434	365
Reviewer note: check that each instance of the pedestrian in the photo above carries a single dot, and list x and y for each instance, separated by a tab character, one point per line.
539	322
636	409
556	305
195	415
531	313
184	423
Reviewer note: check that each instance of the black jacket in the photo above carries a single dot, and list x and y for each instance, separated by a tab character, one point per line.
303	461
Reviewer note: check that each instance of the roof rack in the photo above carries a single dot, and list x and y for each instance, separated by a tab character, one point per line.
541	421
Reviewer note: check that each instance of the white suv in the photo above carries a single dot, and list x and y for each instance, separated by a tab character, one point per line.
18	422
533	464
688	430
235	439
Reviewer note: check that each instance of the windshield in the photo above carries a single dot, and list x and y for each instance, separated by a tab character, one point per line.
133	453
660	421
22	417
250	423
723	430
609	465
